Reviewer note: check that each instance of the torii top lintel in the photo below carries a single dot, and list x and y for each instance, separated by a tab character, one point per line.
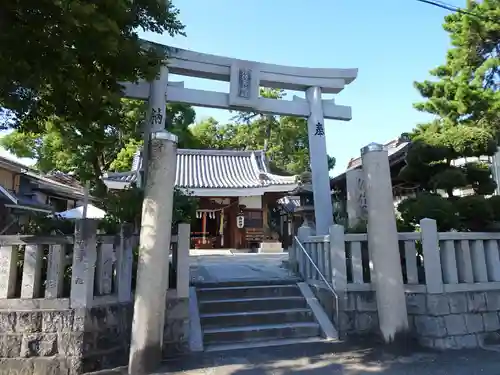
245	78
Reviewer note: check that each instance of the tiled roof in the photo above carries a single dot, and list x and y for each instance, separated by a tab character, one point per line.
129	177
215	169
50	183
65	178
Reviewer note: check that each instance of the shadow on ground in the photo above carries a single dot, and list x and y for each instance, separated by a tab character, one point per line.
354	358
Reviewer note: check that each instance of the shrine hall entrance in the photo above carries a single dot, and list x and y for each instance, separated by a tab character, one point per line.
215	225
207	230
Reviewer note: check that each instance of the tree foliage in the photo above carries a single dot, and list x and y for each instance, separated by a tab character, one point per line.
101	149
433	158
448	153
466	88
287	140
65	59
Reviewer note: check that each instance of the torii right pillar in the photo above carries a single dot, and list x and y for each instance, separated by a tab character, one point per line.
323	210
383	244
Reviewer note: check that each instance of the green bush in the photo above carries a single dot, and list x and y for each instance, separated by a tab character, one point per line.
494	203
474	213
432	206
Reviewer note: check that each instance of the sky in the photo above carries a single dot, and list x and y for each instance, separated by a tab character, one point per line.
392	42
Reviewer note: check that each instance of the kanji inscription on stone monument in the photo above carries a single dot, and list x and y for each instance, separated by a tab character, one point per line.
244	81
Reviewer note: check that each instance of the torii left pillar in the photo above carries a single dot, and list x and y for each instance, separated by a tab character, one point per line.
323	210
152	271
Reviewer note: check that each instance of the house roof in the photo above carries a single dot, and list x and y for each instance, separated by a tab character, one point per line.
53	183
396	150
22	201
215	169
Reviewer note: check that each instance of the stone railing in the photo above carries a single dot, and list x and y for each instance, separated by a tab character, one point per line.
63	272
66	303
431	261
451	280
359	266
318	248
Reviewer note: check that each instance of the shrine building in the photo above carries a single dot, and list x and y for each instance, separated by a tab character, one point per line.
228	184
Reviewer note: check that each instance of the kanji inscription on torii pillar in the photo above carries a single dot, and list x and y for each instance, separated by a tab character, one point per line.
320	130
156	118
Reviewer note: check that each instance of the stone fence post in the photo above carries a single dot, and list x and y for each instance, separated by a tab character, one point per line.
124	261
338	258
183	242
84	260
432	259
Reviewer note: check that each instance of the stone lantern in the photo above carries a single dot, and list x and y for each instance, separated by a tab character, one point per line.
305	193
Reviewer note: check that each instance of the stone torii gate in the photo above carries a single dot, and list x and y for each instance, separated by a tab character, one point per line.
245	78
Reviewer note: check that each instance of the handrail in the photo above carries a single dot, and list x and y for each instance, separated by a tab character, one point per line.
330	287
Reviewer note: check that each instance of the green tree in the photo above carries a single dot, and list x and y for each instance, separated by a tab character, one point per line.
285	137
72	56
100	148
465	90
434	151
464	98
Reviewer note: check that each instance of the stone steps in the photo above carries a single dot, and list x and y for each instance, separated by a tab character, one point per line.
249	317
256	291
260	332
249	304
245	315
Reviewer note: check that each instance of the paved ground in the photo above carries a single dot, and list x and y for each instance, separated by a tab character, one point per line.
353	358
239	267
335	359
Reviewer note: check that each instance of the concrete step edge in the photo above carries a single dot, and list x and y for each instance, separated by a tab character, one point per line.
249	299
256	312
263	344
244	287
261	327
245	283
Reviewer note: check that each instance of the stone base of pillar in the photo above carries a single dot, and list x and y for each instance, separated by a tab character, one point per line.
270	247
176	330
404	342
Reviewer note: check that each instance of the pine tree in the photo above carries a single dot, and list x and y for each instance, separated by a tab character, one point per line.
464	97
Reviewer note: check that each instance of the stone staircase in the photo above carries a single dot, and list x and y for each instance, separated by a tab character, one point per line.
245	315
